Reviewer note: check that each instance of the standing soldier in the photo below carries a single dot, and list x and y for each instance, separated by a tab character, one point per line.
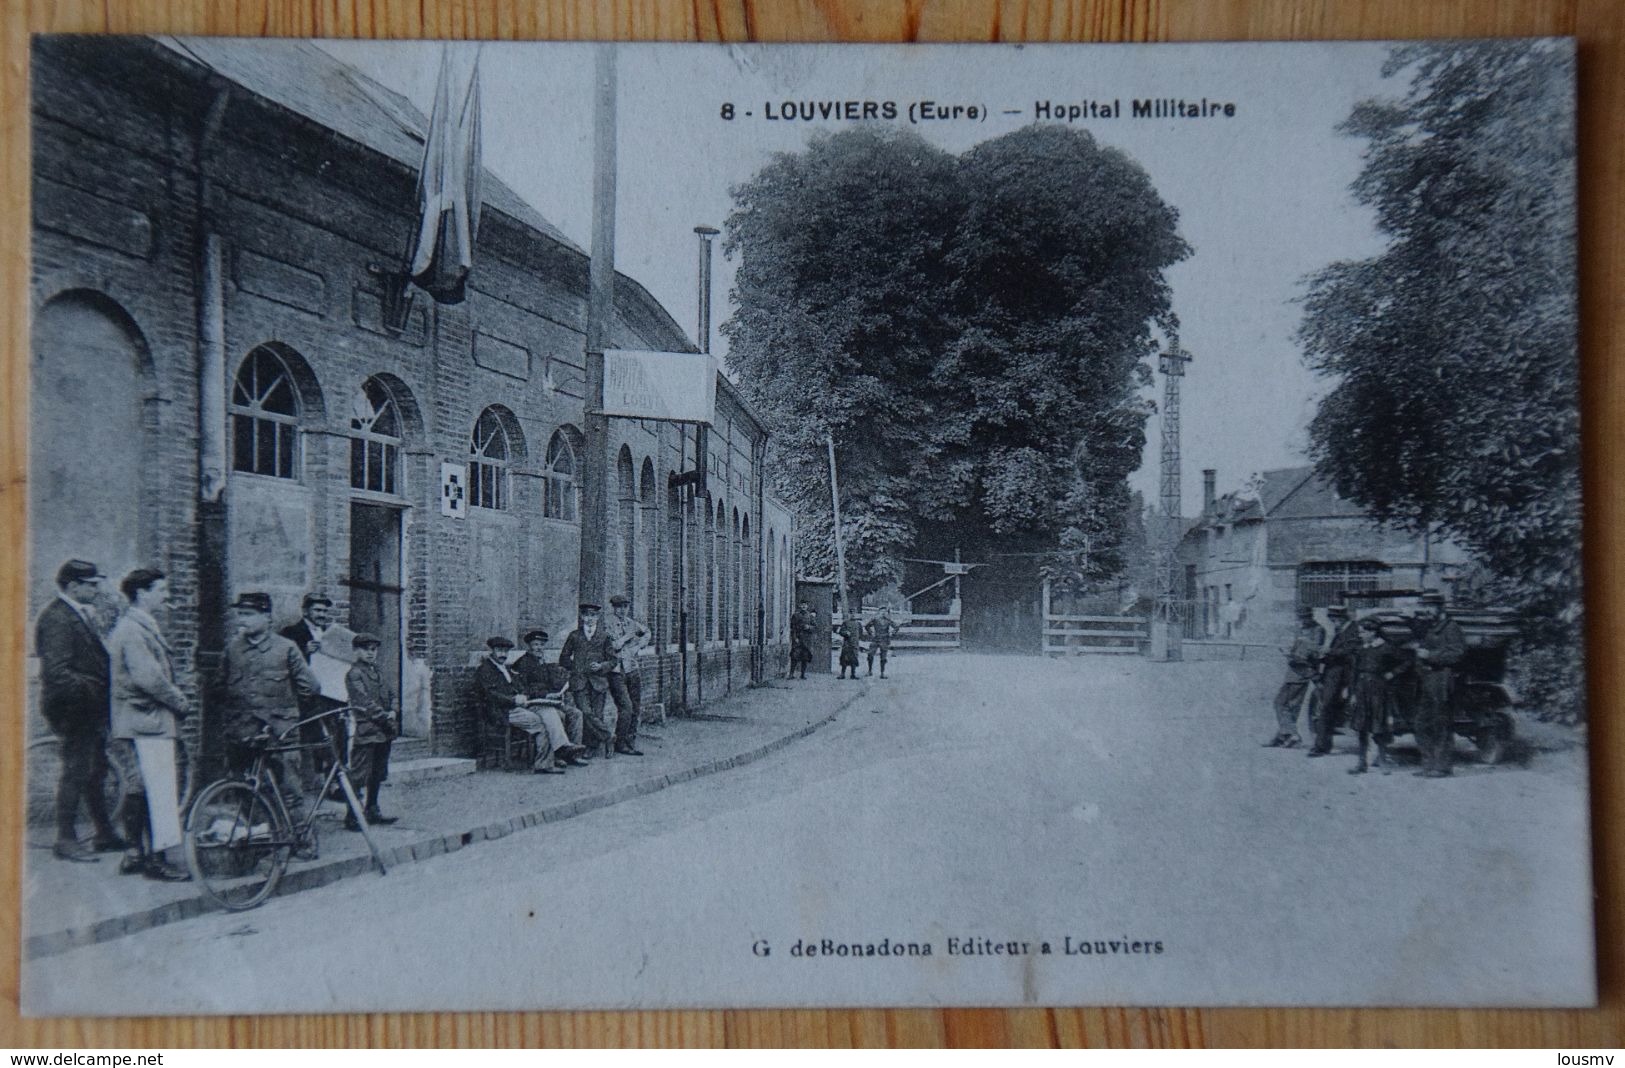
880	632
1375	663
75	680
589	656
373	706
802	623
264	681
628	637
851	632
1302	659
1439	648
1336	678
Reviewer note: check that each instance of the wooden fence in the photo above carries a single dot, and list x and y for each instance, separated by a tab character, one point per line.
919	631
1071	635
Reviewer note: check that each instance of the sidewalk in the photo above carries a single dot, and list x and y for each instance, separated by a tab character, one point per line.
68	905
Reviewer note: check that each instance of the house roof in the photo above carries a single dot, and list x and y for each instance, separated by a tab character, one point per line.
303	78
1284	493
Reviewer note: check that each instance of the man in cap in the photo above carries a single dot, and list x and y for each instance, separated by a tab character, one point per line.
264	681
1439	646
880	631
372	705
1336	678
1301	663
503	702
545	685
803	622
74	683
628	637
589	656
315	620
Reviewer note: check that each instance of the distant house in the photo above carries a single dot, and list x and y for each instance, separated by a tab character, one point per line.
1286	540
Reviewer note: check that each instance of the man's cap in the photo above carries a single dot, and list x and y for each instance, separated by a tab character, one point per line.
499	642
537	635
1432	597
619	599
364	640
253	602
585	607
1337	610
312	599
77	571
1371	623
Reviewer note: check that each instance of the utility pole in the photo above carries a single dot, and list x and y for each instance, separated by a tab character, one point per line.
600	314
835	508
692	483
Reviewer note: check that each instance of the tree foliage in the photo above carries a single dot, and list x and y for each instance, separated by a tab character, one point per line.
970	329
1454	350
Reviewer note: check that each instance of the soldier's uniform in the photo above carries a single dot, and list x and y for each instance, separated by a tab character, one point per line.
802	623
1302	660
1335	686
590	658
880	631
851	632
1444	645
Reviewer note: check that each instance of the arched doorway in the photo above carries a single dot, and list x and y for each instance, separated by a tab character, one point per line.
92	385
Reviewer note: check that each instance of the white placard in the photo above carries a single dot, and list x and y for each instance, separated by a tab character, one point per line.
679	387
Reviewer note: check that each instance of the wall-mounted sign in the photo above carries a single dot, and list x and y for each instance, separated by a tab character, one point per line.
454	490
678	387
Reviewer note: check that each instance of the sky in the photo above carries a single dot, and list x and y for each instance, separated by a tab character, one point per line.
1263	196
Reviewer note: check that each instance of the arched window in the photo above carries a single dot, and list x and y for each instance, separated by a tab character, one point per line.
265	417
708	554
559	500
771	594
375	450
488	453
747	581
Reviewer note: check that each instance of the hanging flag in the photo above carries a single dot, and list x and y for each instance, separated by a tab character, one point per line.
449	189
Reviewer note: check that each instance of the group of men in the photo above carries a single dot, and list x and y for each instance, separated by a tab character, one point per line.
1360	674
879	631
586	701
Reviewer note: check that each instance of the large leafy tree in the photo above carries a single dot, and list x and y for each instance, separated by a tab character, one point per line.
970	330
1453	351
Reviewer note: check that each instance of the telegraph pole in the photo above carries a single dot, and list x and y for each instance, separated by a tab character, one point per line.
600	314
835	508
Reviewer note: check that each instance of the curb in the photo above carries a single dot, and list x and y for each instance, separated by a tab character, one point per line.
317	875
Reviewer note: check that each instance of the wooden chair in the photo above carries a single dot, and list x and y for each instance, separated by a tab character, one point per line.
507	748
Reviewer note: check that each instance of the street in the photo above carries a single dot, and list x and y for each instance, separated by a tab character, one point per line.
1102	802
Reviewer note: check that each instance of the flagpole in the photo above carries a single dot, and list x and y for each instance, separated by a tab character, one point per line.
600	312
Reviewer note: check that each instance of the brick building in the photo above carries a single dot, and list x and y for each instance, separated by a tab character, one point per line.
216	392
1253	557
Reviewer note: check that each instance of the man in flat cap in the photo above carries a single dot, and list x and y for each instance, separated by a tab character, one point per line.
75	681
503	702
315	620
589	655
628	637
264	682
547	686
373	707
1439	646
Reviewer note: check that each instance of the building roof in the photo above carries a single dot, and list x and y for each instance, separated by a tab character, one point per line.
303	78
1284	493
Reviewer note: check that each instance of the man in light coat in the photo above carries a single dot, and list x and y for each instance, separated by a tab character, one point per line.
146	705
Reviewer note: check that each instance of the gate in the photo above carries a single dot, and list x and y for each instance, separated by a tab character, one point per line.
1070	635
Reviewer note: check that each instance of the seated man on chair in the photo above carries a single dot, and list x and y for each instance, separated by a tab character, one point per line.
503	702
540	680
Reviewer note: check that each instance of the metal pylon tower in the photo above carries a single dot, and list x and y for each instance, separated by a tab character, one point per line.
1171	364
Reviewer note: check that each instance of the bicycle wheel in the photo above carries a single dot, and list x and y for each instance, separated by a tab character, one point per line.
43	767
237	844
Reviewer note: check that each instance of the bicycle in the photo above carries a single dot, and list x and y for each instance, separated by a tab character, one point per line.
239	833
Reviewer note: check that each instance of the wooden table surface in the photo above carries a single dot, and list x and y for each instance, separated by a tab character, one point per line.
1598	24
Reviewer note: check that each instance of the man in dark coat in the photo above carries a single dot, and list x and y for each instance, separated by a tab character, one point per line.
541	681
1440	646
1336	678
880	631
373	709
802	624
589	654
75	681
316	617
503	701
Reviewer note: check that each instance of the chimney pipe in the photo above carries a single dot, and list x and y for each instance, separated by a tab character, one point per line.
1209	478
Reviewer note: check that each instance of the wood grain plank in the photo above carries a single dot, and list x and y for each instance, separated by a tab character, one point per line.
1600	27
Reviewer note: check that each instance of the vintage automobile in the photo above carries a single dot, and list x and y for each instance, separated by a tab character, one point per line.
1483	699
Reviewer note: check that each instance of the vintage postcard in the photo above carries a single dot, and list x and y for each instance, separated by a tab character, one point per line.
525	525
